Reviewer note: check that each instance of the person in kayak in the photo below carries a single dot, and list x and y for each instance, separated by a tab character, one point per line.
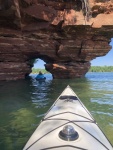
40	76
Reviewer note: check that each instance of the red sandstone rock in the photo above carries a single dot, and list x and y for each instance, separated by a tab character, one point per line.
61	33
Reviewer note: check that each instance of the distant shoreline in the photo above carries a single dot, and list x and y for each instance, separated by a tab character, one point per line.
92	69
36	71
101	69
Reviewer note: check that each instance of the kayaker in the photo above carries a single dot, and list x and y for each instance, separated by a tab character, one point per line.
40	76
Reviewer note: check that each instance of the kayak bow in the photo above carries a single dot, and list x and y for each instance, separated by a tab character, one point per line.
68	125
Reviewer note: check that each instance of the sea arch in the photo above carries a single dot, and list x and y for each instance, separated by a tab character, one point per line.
59	32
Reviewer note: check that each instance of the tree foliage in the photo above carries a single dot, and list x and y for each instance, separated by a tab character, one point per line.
34	70
101	69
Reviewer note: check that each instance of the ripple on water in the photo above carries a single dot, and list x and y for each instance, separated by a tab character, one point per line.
101	101
103	113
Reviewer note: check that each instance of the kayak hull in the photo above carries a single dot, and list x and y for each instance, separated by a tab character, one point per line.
41	79
68	110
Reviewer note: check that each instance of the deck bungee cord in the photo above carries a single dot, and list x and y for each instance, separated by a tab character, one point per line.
69	121
70	113
61	146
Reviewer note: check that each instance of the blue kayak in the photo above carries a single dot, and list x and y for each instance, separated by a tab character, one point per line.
40	77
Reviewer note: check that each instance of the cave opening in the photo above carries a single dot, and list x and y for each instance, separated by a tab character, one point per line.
39	65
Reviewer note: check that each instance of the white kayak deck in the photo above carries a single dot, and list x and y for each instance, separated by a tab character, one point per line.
68	110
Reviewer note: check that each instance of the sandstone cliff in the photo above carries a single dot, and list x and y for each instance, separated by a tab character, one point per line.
66	34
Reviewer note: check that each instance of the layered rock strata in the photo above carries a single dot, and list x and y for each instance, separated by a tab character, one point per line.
67	35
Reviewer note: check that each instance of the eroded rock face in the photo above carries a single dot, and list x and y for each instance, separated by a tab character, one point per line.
67	35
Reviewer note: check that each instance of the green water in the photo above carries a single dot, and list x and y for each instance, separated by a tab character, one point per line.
23	103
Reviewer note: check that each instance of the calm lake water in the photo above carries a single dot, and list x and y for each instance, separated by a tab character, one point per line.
23	103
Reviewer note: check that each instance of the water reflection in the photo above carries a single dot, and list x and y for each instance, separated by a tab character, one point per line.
23	103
